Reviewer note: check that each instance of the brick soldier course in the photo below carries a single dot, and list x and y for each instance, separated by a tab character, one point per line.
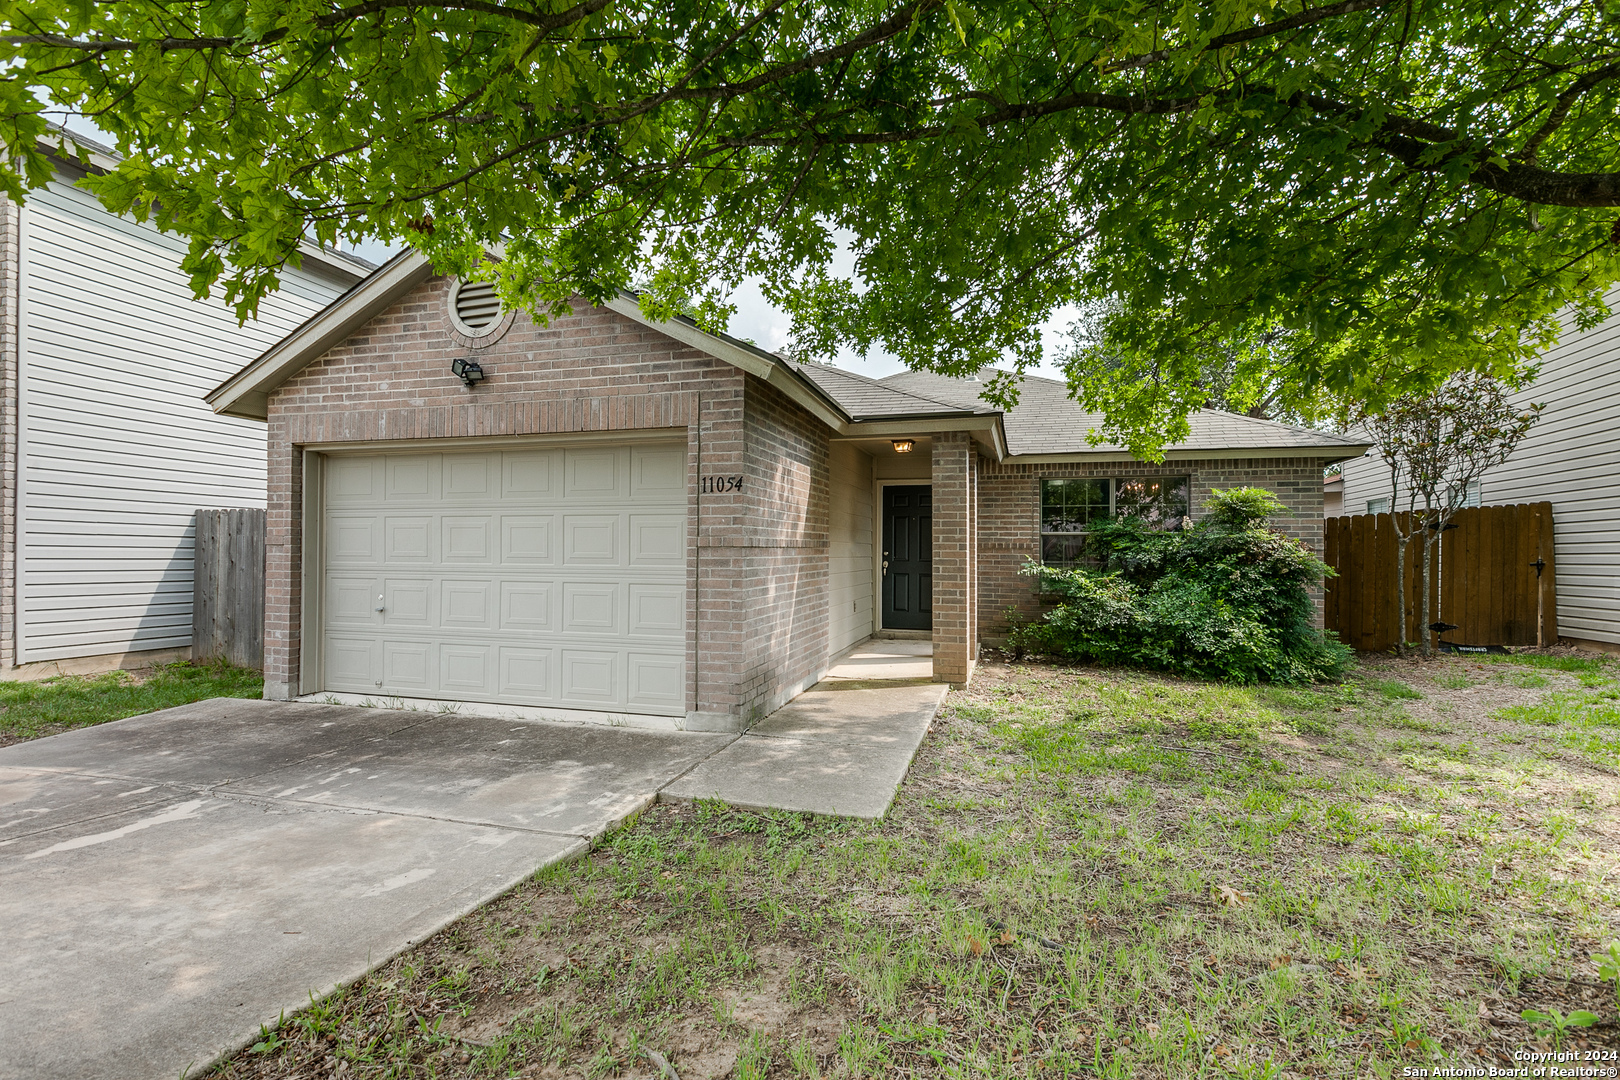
762	563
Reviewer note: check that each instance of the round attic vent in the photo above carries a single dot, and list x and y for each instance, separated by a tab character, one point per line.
475	308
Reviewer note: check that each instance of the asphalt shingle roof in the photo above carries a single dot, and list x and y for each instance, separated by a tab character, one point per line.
1047	421
868	399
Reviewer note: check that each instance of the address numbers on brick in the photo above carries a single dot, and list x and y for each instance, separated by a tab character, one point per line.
713	485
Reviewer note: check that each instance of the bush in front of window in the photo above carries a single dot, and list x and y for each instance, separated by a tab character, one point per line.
1228	598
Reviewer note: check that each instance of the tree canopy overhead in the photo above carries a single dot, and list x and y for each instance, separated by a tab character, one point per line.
1394	188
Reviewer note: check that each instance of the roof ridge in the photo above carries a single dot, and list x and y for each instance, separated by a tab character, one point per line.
1261	421
884	386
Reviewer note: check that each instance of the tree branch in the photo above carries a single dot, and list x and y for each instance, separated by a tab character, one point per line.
553	21
1253	33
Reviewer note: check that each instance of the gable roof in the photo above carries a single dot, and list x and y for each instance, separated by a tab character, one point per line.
1047	422
247	393
869	399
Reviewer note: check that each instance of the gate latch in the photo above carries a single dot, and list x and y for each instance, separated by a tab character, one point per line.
1539	564
1442	627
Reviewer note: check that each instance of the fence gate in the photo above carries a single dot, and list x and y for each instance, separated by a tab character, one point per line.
1494	579
227	592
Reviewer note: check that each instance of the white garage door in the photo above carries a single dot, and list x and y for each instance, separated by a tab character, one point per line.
550	577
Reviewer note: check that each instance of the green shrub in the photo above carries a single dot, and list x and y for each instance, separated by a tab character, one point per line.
1228	598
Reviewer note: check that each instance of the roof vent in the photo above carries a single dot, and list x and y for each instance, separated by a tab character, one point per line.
476	308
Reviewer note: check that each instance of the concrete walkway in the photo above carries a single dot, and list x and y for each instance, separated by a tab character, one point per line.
840	749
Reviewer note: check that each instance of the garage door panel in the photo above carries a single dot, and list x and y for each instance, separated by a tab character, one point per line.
528	605
591	539
592	607
657	540
408	539
354	540
528	474
467	605
528	674
356	481
411	478
547	577
656	681
590	677
467	669
467	539
470	478
407	602
407	665
657	610
353	663
352	600
593	474
528	539
658	473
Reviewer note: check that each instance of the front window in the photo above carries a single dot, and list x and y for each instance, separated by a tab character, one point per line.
1068	507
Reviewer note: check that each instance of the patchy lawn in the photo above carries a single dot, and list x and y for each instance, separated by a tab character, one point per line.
1087	874
31	710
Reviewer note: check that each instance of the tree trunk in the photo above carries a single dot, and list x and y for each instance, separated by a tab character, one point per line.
1400	588
1428	570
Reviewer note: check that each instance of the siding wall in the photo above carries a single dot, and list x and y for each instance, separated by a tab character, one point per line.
117	447
850	561
1571	458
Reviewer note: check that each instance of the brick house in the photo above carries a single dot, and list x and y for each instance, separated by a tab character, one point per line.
644	523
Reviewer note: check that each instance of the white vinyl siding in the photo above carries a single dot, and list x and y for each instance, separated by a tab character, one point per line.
552	577
850	553
118	448
1571	459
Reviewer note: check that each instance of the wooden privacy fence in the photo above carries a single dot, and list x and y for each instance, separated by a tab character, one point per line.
227	597
1494	579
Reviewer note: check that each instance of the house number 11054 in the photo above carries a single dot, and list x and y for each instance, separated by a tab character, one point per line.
713	485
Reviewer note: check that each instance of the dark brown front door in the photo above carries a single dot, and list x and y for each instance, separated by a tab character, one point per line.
908	558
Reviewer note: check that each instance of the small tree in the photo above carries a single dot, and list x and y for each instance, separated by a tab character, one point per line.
1437	445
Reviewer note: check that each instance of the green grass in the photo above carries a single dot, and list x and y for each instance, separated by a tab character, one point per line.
1587	722
1393	689
1086	874
29	710
1589	670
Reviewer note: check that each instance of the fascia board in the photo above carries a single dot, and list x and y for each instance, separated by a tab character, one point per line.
245	394
773	372
687	334
1330	454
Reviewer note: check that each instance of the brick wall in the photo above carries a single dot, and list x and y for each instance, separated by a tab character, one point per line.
1010	508
757	559
956	581
785	549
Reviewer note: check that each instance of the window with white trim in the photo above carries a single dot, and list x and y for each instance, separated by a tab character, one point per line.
1069	506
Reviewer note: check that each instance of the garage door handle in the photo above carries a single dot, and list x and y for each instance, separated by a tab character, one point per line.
379	603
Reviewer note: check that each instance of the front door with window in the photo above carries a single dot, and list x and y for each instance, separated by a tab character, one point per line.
908	558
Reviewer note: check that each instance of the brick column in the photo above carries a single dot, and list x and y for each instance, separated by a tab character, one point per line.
956	635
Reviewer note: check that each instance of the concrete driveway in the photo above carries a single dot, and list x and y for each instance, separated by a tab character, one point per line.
172	881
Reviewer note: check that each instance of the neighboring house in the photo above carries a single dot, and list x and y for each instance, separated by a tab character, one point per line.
105	446
645	520
1333	495
1571	458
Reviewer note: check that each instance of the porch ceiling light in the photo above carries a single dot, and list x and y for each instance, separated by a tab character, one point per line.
468	371
904	446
